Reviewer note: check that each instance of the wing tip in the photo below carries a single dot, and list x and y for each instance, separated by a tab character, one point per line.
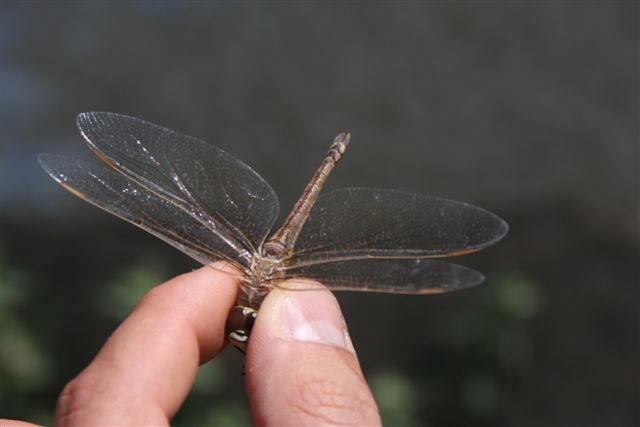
501	229
42	158
45	160
86	118
83	119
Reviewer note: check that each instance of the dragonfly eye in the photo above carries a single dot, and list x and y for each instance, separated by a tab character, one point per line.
239	325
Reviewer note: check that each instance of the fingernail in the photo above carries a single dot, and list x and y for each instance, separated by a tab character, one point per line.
314	316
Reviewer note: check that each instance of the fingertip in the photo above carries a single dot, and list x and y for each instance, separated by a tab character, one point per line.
196	303
204	298
303	312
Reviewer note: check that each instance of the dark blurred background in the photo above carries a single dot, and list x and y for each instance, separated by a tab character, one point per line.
528	109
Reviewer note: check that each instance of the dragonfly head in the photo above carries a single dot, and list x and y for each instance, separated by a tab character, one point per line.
239	325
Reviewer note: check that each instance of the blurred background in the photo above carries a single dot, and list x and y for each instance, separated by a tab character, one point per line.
527	109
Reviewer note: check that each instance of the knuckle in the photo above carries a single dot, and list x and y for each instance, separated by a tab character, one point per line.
77	395
336	400
80	395
153	296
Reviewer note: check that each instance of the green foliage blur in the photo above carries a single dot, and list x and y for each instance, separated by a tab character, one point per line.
26	368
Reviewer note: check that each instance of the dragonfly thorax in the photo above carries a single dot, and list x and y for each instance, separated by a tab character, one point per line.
258	283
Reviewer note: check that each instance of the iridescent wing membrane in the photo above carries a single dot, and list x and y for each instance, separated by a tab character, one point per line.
193	195
380	240
212	207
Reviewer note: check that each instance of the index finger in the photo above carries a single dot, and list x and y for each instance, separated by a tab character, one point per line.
146	368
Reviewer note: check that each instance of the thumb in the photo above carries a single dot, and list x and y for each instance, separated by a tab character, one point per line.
301	366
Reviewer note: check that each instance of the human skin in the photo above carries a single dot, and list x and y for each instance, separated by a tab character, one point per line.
301	368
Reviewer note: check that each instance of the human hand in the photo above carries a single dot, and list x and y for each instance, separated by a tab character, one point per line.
301	368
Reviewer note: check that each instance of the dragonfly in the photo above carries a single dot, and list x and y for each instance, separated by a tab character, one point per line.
213	207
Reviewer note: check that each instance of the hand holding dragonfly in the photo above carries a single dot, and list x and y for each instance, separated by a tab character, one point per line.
301	368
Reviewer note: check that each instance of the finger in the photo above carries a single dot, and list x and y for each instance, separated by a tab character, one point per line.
146	368
4	422
301	366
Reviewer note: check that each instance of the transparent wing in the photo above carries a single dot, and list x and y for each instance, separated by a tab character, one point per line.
401	276
192	174
363	223
128	200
